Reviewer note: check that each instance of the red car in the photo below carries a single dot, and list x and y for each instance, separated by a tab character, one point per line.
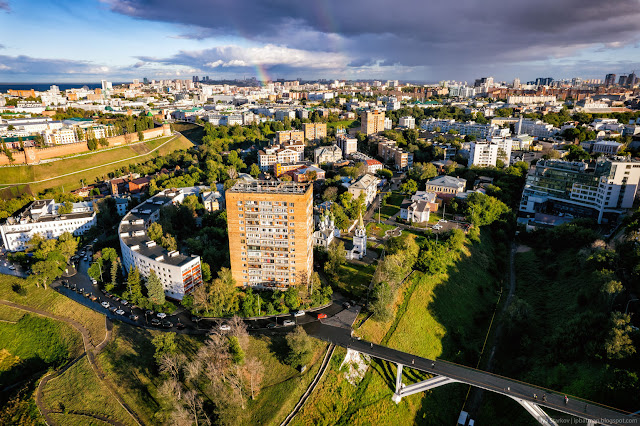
320	316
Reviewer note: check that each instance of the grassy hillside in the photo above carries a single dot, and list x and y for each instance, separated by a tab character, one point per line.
77	165
444	316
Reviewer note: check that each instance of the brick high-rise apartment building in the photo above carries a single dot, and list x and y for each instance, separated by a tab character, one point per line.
314	131
270	233
372	122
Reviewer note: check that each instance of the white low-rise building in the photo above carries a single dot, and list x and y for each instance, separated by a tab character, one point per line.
367	185
179	273
43	217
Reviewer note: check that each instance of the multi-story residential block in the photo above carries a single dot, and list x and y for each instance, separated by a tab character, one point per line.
446	186
270	233
407	122
602	187
327	154
483	154
367	185
486	153
390	152
289	135
60	136
179	273
606	147
280	154
527	99
372	166
314	131
481	131
372	122
281	114
347	144
43	217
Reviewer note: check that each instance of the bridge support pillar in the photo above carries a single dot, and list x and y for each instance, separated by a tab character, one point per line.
537	412
402	391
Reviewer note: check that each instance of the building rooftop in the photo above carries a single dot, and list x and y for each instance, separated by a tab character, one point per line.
270	187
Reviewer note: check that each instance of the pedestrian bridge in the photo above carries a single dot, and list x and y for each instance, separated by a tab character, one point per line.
444	372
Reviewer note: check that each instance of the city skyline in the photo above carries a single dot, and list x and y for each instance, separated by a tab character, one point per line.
46	41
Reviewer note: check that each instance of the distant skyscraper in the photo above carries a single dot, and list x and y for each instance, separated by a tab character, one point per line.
516	83
544	81
106	85
145	80
622	81
632	79
610	80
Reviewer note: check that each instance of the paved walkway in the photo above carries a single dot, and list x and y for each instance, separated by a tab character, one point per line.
89	351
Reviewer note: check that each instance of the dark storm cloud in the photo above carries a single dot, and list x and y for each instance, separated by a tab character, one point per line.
437	29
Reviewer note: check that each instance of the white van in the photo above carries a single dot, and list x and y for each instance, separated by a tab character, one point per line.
462	419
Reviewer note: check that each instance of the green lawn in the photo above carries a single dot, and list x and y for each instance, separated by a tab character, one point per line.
355	279
441	316
378	229
122	155
79	389
51	301
34	344
347	124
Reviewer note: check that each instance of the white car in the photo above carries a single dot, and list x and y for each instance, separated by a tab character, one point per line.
120	312
105	305
443	220
436	227
124	302
225	327
13	268
298	313
162	315
288	323
94	281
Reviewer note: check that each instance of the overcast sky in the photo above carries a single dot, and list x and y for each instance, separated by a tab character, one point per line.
412	40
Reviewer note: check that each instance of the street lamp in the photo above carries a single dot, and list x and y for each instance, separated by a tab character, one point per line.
627	308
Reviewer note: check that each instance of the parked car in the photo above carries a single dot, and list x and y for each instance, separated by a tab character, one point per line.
94	281
162	315
155	322
93	298
105	305
124	302
113	308
272	325
148	312
117	299
13	268
346	305
298	313
120	312
133	317
443	220
224	327
180	326
288	323
87	294
167	324
321	316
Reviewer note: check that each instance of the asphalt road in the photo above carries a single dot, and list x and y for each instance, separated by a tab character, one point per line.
491	382
80	288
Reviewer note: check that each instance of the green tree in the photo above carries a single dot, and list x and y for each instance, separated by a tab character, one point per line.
134	285
223	294
382	302
169	242
300	347
255	170
336	257
95	270
65	208
619	344
484	209
384	173
292	298
164	344
154	289
114	272
330	193
92	144
235	350
140	135
409	187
